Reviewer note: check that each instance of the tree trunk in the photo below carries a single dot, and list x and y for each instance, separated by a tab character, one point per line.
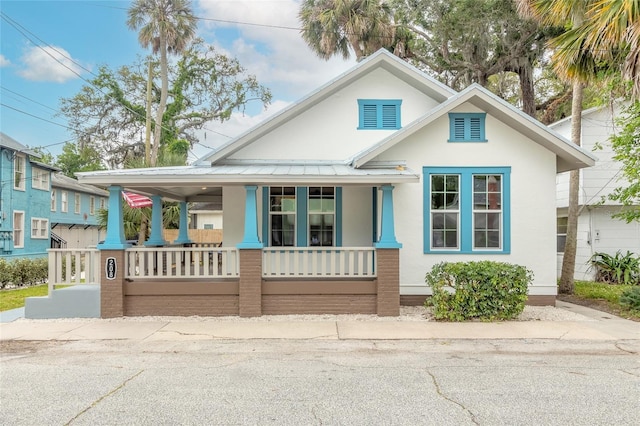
144	226
525	73
164	94
569	259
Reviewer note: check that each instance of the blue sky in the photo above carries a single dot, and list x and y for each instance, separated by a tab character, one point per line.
92	33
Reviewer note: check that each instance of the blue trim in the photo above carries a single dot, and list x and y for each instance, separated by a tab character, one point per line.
302	208
466	208
387	230
265	216
156	238
379	114
467	127
183	234
374	214
114	239
338	213
250	239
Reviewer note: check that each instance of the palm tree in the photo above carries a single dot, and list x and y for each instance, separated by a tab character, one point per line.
168	26
566	13
333	27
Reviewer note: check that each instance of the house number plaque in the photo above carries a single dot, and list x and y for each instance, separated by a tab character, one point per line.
111	268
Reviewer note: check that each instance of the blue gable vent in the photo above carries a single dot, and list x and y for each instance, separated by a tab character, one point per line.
379	113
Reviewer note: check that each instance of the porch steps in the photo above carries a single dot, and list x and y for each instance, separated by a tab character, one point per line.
79	301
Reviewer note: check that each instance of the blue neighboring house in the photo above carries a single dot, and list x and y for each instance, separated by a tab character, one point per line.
74	213
25	201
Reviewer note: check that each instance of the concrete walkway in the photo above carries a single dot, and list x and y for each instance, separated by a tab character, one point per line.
596	326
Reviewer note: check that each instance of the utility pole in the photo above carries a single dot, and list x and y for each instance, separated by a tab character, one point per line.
147	141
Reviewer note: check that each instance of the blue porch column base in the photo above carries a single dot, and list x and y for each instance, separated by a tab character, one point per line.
183	234
250	239
114	239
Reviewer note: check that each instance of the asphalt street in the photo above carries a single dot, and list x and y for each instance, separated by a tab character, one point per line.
319	382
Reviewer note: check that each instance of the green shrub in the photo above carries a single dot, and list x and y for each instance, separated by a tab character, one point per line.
616	269
23	272
478	290
630	299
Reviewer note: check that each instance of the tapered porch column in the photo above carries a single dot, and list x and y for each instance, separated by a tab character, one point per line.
183	234
250	280
387	225
114	240
156	238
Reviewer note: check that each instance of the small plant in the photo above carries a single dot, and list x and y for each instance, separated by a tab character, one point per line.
616	269
630	299
478	290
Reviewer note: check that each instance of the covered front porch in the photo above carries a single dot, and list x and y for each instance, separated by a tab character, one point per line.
258	270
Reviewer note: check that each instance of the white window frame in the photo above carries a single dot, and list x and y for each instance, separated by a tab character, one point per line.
18	228
92	205
39	228
40	179
64	201
54	201
19	172
103	203
77	203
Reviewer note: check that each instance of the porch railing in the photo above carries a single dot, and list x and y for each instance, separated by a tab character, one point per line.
318	262
73	266
181	262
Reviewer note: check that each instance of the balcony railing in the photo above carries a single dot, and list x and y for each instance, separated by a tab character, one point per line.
73	266
181	262
352	262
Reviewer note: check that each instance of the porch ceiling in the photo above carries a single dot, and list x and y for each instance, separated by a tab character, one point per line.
200	183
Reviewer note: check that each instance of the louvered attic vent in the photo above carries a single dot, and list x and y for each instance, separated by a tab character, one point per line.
379	114
467	127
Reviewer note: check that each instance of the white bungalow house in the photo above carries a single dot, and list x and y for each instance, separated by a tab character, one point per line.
598	231
343	201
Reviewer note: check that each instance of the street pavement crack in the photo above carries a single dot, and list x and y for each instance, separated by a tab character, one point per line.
439	392
617	345
103	397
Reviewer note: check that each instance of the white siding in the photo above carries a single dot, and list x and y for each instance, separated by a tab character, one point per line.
328	130
533	217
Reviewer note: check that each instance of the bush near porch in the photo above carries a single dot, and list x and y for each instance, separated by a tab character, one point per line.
482	290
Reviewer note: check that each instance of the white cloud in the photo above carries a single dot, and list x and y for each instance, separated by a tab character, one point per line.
4	62
279	57
49	63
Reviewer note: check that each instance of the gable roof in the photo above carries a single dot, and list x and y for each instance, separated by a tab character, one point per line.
381	59
59	180
568	155
8	142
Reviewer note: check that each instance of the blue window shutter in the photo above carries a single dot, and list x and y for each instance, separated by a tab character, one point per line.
379	114
467	127
301	211
338	212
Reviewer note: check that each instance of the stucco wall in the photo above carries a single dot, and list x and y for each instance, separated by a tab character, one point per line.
313	133
533	238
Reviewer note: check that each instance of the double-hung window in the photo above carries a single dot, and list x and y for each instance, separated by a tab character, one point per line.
282	216
40	178
92	205
321	215
77	204
379	114
18	229
53	200
467	210
19	170
64	202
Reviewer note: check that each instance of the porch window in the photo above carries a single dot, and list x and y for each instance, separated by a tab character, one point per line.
18	229
379	114
321	215
282	216
467	210
19	166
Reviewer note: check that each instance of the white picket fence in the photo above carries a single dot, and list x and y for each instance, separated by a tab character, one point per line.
73	266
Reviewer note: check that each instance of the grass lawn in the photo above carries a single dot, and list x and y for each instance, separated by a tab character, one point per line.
605	297
12	299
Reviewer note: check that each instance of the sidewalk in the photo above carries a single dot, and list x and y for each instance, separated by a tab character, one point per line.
596	326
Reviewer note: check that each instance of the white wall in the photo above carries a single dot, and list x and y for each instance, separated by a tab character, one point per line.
78	237
328	130
533	213
209	218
